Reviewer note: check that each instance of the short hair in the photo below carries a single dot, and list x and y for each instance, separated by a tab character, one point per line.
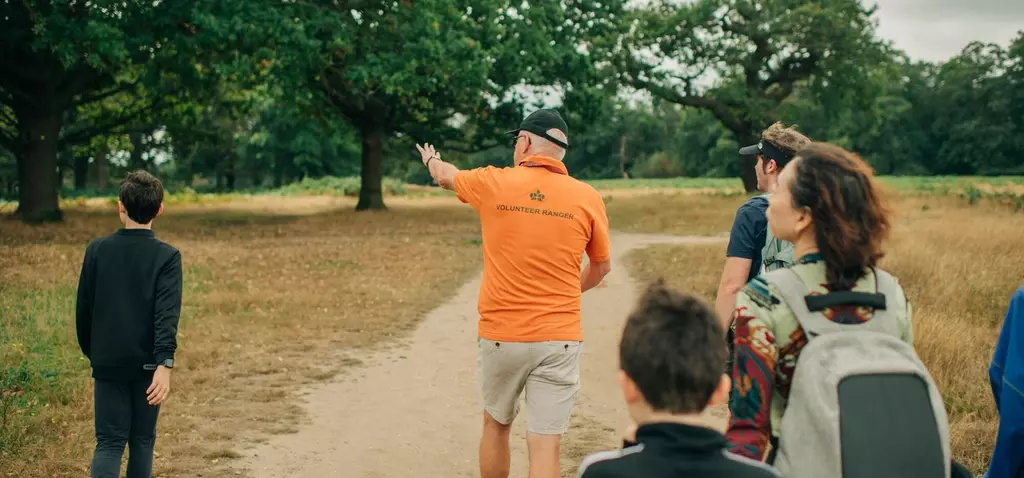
141	194
674	349
544	145
851	216
787	138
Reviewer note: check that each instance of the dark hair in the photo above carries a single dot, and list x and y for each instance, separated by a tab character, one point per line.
141	193
850	218
674	349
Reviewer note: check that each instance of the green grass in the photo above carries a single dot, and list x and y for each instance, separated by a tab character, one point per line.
41	374
350	185
947	184
667	183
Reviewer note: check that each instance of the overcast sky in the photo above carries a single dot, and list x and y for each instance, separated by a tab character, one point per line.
935	30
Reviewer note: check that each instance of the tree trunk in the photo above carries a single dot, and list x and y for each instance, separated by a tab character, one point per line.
137	162
622	157
229	174
102	172
371	192
81	172
37	167
747	163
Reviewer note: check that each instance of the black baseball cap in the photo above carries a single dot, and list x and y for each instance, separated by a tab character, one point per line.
769	150
540	121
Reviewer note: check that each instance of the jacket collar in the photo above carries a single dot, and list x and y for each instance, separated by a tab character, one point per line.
135	232
549	163
680	437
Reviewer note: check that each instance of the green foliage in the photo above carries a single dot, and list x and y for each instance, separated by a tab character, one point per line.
195	95
335	186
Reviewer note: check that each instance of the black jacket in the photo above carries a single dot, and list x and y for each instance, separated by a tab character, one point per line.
129	300
676	451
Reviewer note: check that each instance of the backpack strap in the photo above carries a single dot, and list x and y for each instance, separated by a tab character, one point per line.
793	291
807	308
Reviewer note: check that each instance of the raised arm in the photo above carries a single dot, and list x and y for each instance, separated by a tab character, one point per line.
442	172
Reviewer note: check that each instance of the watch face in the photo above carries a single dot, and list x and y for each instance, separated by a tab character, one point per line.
168	363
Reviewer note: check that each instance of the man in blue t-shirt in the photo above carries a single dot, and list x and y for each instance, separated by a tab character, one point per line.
777	148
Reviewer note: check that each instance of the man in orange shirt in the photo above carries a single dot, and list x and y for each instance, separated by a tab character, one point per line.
537	222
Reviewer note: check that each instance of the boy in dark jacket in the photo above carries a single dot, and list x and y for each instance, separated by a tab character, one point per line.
129	300
671	370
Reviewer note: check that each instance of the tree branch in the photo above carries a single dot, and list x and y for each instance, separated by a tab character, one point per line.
106	94
790	71
80	136
80	81
721	111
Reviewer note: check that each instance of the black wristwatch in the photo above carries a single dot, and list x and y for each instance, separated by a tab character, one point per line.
169	363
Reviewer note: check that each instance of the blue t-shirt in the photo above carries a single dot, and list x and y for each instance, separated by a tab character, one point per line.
749	231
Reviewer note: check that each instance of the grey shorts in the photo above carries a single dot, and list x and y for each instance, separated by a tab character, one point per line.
549	372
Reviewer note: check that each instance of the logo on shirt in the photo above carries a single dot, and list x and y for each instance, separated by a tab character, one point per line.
537	195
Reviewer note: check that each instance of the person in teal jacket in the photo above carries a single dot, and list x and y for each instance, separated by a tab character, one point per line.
1006	376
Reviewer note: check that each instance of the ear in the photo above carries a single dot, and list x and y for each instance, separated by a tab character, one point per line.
161	210
804	221
120	207
771	167
630	392
721	393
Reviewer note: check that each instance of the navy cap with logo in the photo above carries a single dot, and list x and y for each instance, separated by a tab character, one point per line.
540	121
768	150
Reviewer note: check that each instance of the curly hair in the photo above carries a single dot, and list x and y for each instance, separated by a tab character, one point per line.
786	138
851	219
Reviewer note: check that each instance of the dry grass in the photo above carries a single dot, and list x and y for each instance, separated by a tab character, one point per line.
680	212
959	265
270	301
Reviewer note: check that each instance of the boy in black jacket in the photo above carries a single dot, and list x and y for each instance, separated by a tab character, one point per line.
129	299
671	370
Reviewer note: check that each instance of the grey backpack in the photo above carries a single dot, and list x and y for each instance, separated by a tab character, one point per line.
861	403
776	253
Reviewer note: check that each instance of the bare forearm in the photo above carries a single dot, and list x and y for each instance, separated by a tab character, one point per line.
443	173
734	277
725	305
592	275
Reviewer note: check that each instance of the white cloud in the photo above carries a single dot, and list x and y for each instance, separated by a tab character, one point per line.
935	30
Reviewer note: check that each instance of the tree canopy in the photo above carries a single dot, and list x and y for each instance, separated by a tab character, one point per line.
229	94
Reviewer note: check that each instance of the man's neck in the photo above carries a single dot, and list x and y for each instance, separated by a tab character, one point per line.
692	419
129	224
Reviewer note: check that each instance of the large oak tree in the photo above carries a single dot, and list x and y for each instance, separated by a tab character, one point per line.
422	67
57	56
741	59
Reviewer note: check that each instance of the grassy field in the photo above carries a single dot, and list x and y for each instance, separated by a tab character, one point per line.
269	299
277	285
958	263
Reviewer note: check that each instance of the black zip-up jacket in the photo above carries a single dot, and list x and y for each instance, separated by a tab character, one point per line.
673	450
129	301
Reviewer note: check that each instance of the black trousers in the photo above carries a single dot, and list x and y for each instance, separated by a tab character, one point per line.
123	417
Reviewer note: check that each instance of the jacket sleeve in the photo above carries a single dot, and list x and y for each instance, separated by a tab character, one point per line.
83	303
167	309
1006	375
753	376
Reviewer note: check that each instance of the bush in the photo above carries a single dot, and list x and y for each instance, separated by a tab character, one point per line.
657	165
337	186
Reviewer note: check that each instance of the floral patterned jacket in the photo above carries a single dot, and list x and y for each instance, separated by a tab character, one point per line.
768	340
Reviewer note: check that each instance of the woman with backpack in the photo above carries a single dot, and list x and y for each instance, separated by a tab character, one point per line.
828	204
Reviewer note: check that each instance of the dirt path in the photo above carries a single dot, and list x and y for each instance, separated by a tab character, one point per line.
415	408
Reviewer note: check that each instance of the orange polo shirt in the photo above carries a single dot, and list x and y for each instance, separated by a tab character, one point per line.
537	221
